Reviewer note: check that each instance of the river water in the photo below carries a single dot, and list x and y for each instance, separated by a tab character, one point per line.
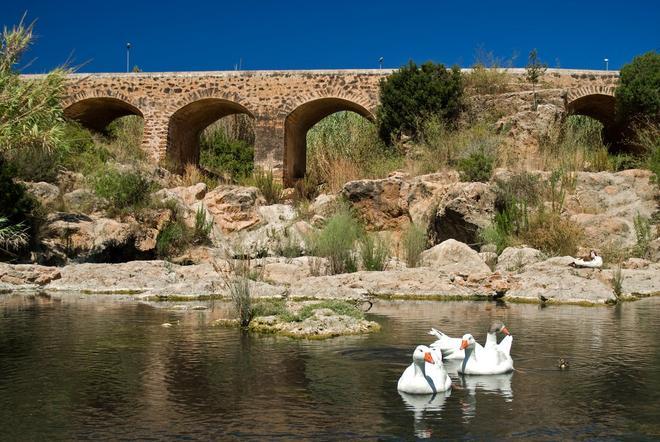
77	367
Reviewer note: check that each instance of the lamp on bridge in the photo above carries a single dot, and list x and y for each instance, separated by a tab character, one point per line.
128	56
607	61
380	63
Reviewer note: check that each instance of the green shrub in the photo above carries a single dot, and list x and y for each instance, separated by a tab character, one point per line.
17	206
222	154
336	241
12	236
638	92
477	166
288	245
413	93
414	242
270	307
122	189
172	239
374	252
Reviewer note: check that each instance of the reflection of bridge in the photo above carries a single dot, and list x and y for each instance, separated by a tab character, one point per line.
176	107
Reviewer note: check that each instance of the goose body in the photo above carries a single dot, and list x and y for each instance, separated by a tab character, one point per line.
426	374
493	359
451	347
595	262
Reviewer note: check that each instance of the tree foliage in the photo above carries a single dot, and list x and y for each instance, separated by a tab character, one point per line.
638	93
30	111
414	93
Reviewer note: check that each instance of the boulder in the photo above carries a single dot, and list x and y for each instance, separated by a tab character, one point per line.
515	259
425	193
641	281
186	200
46	193
381	204
452	256
462	211
288	271
233	208
83	200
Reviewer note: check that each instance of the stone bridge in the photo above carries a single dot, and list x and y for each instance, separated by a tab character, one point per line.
176	107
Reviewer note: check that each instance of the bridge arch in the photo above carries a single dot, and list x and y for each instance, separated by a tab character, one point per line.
597	102
190	116
300	120
97	109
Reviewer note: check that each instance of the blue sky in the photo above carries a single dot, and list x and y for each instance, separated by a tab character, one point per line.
215	35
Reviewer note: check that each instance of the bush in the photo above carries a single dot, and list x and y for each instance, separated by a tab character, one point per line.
339	307
414	242
374	252
413	93
336	241
222	154
552	234
18	211
477	166
172	239
122	189
638	93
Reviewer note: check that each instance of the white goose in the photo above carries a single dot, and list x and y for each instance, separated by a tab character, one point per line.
451	347
426	374
492	359
595	262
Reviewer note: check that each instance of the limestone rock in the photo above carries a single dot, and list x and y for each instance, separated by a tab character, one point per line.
233	208
641	282
515	259
27	274
554	280
453	256
46	193
90	238
83	200
425	193
462	211
287	271
382	204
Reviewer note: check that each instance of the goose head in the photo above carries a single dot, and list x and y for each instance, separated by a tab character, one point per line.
593	254
498	326
467	342
423	354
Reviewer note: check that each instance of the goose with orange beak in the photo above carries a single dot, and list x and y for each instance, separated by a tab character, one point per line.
491	359
451	347
426	374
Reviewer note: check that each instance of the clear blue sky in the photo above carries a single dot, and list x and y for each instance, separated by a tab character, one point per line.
294	34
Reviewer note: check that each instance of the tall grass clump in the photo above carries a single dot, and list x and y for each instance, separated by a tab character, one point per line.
488	74
336	241
643	236
374	252
175	237
12	236
413	242
31	116
343	147
577	145
269	186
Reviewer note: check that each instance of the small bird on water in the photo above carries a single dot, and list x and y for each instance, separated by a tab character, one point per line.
562	364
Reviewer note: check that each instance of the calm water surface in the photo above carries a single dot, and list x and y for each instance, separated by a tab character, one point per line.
88	368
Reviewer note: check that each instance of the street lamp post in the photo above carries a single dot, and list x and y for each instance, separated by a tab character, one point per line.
380	63
128	56
607	64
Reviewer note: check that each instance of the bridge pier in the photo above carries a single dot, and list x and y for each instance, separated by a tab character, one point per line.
269	144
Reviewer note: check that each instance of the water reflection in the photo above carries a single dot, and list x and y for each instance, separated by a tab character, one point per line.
81	368
425	407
